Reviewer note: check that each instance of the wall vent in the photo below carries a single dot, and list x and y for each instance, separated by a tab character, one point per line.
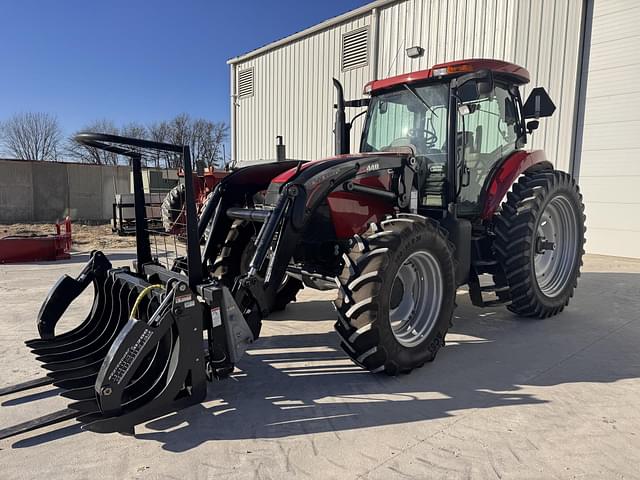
245	82
355	49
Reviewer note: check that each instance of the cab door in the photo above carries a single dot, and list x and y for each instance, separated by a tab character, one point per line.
487	132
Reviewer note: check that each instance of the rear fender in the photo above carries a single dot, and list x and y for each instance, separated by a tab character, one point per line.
506	173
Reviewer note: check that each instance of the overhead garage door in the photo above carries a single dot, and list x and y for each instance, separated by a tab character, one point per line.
610	164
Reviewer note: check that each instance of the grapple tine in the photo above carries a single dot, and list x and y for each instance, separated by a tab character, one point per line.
95	322
20	387
96	356
85	406
86	393
91	369
66	290
86	345
45	420
77	382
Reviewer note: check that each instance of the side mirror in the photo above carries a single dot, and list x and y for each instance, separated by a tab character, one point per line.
538	104
532	125
485	85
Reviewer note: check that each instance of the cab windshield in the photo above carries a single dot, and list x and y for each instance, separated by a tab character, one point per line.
414	117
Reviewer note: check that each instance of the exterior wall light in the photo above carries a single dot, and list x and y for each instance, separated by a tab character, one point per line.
415	52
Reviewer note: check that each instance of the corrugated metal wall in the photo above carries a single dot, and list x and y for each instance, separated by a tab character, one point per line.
294	97
293	83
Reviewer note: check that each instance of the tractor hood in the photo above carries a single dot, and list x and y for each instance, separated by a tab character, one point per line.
320	174
290	174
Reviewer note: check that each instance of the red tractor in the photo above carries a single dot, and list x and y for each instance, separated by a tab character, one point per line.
172	209
441	194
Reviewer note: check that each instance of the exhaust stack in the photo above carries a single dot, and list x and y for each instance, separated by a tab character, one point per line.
342	128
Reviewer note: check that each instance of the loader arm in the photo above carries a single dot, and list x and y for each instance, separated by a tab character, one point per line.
295	206
233	191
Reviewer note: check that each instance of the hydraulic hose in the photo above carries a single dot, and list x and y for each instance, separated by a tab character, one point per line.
143	294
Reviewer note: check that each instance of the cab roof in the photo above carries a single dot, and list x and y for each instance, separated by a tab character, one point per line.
511	71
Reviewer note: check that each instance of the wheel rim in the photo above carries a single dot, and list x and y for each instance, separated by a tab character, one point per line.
556	246
416	298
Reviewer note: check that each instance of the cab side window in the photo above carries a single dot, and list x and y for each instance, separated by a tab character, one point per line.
487	132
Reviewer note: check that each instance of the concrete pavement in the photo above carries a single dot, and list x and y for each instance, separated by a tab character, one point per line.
506	398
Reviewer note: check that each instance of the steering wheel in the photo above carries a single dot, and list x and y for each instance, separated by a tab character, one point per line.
430	138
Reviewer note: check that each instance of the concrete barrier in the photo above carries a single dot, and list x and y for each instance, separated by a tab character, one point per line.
16	191
50	191
46	191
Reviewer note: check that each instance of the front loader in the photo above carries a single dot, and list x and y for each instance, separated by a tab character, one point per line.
442	194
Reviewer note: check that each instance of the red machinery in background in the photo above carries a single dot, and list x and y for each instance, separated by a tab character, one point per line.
204	181
17	248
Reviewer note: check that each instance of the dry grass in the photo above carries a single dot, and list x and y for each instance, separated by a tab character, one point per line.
85	236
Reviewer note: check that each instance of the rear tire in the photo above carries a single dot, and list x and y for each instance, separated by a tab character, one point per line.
234	259
385	326
172	206
542	273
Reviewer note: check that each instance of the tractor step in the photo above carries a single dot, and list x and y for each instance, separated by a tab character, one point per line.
493	288
477	291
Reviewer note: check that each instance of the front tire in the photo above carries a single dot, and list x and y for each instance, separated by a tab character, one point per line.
234	260
397	294
540	242
172	206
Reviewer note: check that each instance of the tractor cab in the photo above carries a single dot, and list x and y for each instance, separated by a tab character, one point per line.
459	120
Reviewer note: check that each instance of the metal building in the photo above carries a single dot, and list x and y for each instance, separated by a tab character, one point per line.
581	51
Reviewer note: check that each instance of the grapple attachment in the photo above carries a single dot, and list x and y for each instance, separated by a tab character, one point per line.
154	334
139	353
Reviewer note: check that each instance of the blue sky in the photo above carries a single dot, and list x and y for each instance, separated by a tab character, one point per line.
135	60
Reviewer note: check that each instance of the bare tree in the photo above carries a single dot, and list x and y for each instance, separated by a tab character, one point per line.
160	132
205	138
181	133
31	136
137	130
83	153
219	133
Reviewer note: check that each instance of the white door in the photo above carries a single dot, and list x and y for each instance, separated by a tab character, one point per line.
610	166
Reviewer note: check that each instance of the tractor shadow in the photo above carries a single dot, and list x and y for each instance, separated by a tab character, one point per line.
296	380
295	383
